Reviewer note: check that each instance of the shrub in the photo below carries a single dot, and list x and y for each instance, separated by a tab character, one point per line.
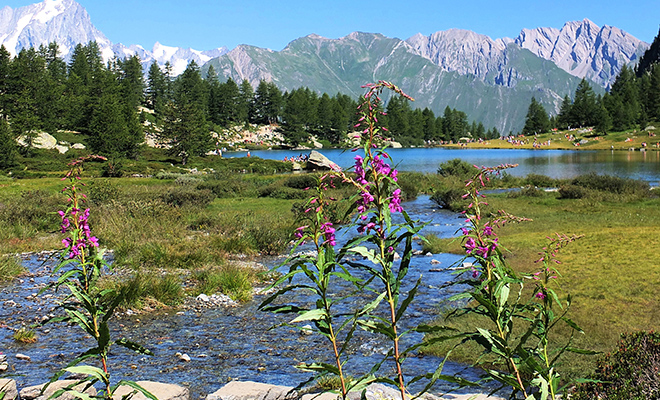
233	186
456	167
632	372
303	181
572	192
165	289
613	184
282	192
541	181
186	196
450	198
269	240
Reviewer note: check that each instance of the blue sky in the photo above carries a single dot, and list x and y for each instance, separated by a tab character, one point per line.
206	24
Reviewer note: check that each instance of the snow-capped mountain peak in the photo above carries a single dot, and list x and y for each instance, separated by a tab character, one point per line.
67	23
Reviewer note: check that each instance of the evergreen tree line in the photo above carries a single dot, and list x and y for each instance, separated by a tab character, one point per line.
41	92
417	127
632	101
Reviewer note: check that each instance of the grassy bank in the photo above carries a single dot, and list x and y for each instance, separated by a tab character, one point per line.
575	139
611	273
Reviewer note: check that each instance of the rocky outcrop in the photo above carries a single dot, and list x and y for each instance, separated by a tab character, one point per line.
318	161
8	387
35	392
252	391
162	391
261	391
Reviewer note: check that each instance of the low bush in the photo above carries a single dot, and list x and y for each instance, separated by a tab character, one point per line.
613	184
456	167
232	186
541	181
573	192
186	196
632	372
282	192
302	181
450	198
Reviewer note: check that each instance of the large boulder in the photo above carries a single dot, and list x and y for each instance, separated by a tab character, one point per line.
260	391
318	161
247	390
34	392
8	387
162	391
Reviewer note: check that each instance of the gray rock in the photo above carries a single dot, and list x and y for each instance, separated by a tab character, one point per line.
319	161
307	330
34	392
8	387
252	391
204	298
435	262
162	391
22	357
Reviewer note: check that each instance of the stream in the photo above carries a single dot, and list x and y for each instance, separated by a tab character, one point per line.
224	343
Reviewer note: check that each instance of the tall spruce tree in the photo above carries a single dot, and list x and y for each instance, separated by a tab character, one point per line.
536	120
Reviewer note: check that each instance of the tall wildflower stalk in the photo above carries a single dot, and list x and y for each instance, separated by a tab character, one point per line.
374	237
520	321
88	306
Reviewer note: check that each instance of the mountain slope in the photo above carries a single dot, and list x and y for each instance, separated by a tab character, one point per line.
345	64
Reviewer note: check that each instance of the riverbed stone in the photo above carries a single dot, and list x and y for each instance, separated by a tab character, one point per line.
8	387
248	390
34	392
162	391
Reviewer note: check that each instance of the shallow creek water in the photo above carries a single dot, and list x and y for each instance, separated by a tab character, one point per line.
223	343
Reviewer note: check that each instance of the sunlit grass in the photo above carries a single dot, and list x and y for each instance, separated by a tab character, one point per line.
611	273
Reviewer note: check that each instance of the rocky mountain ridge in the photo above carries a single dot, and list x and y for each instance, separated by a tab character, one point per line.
67	23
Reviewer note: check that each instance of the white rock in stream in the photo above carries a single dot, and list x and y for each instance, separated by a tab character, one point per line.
204	298
22	357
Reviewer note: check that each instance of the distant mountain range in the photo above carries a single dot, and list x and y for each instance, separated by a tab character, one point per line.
67	23
491	80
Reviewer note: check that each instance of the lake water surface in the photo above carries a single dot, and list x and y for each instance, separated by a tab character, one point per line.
644	165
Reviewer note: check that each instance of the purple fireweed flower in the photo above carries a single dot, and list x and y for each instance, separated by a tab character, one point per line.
465	231
488	230
395	202
540	295
299	232
328	233
470	244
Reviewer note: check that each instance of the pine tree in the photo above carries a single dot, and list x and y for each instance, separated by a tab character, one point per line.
651	56
7	145
565	112
583	111
245	106
536	120
156	96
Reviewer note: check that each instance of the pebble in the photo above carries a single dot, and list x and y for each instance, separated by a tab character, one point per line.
429	254
397	256
4	367
203	297
306	330
22	357
435	262
184	357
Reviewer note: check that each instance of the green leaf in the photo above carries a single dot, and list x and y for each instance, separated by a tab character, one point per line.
365	252
583	351
572	324
136	347
58	393
311	315
88	370
318	367
406	302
